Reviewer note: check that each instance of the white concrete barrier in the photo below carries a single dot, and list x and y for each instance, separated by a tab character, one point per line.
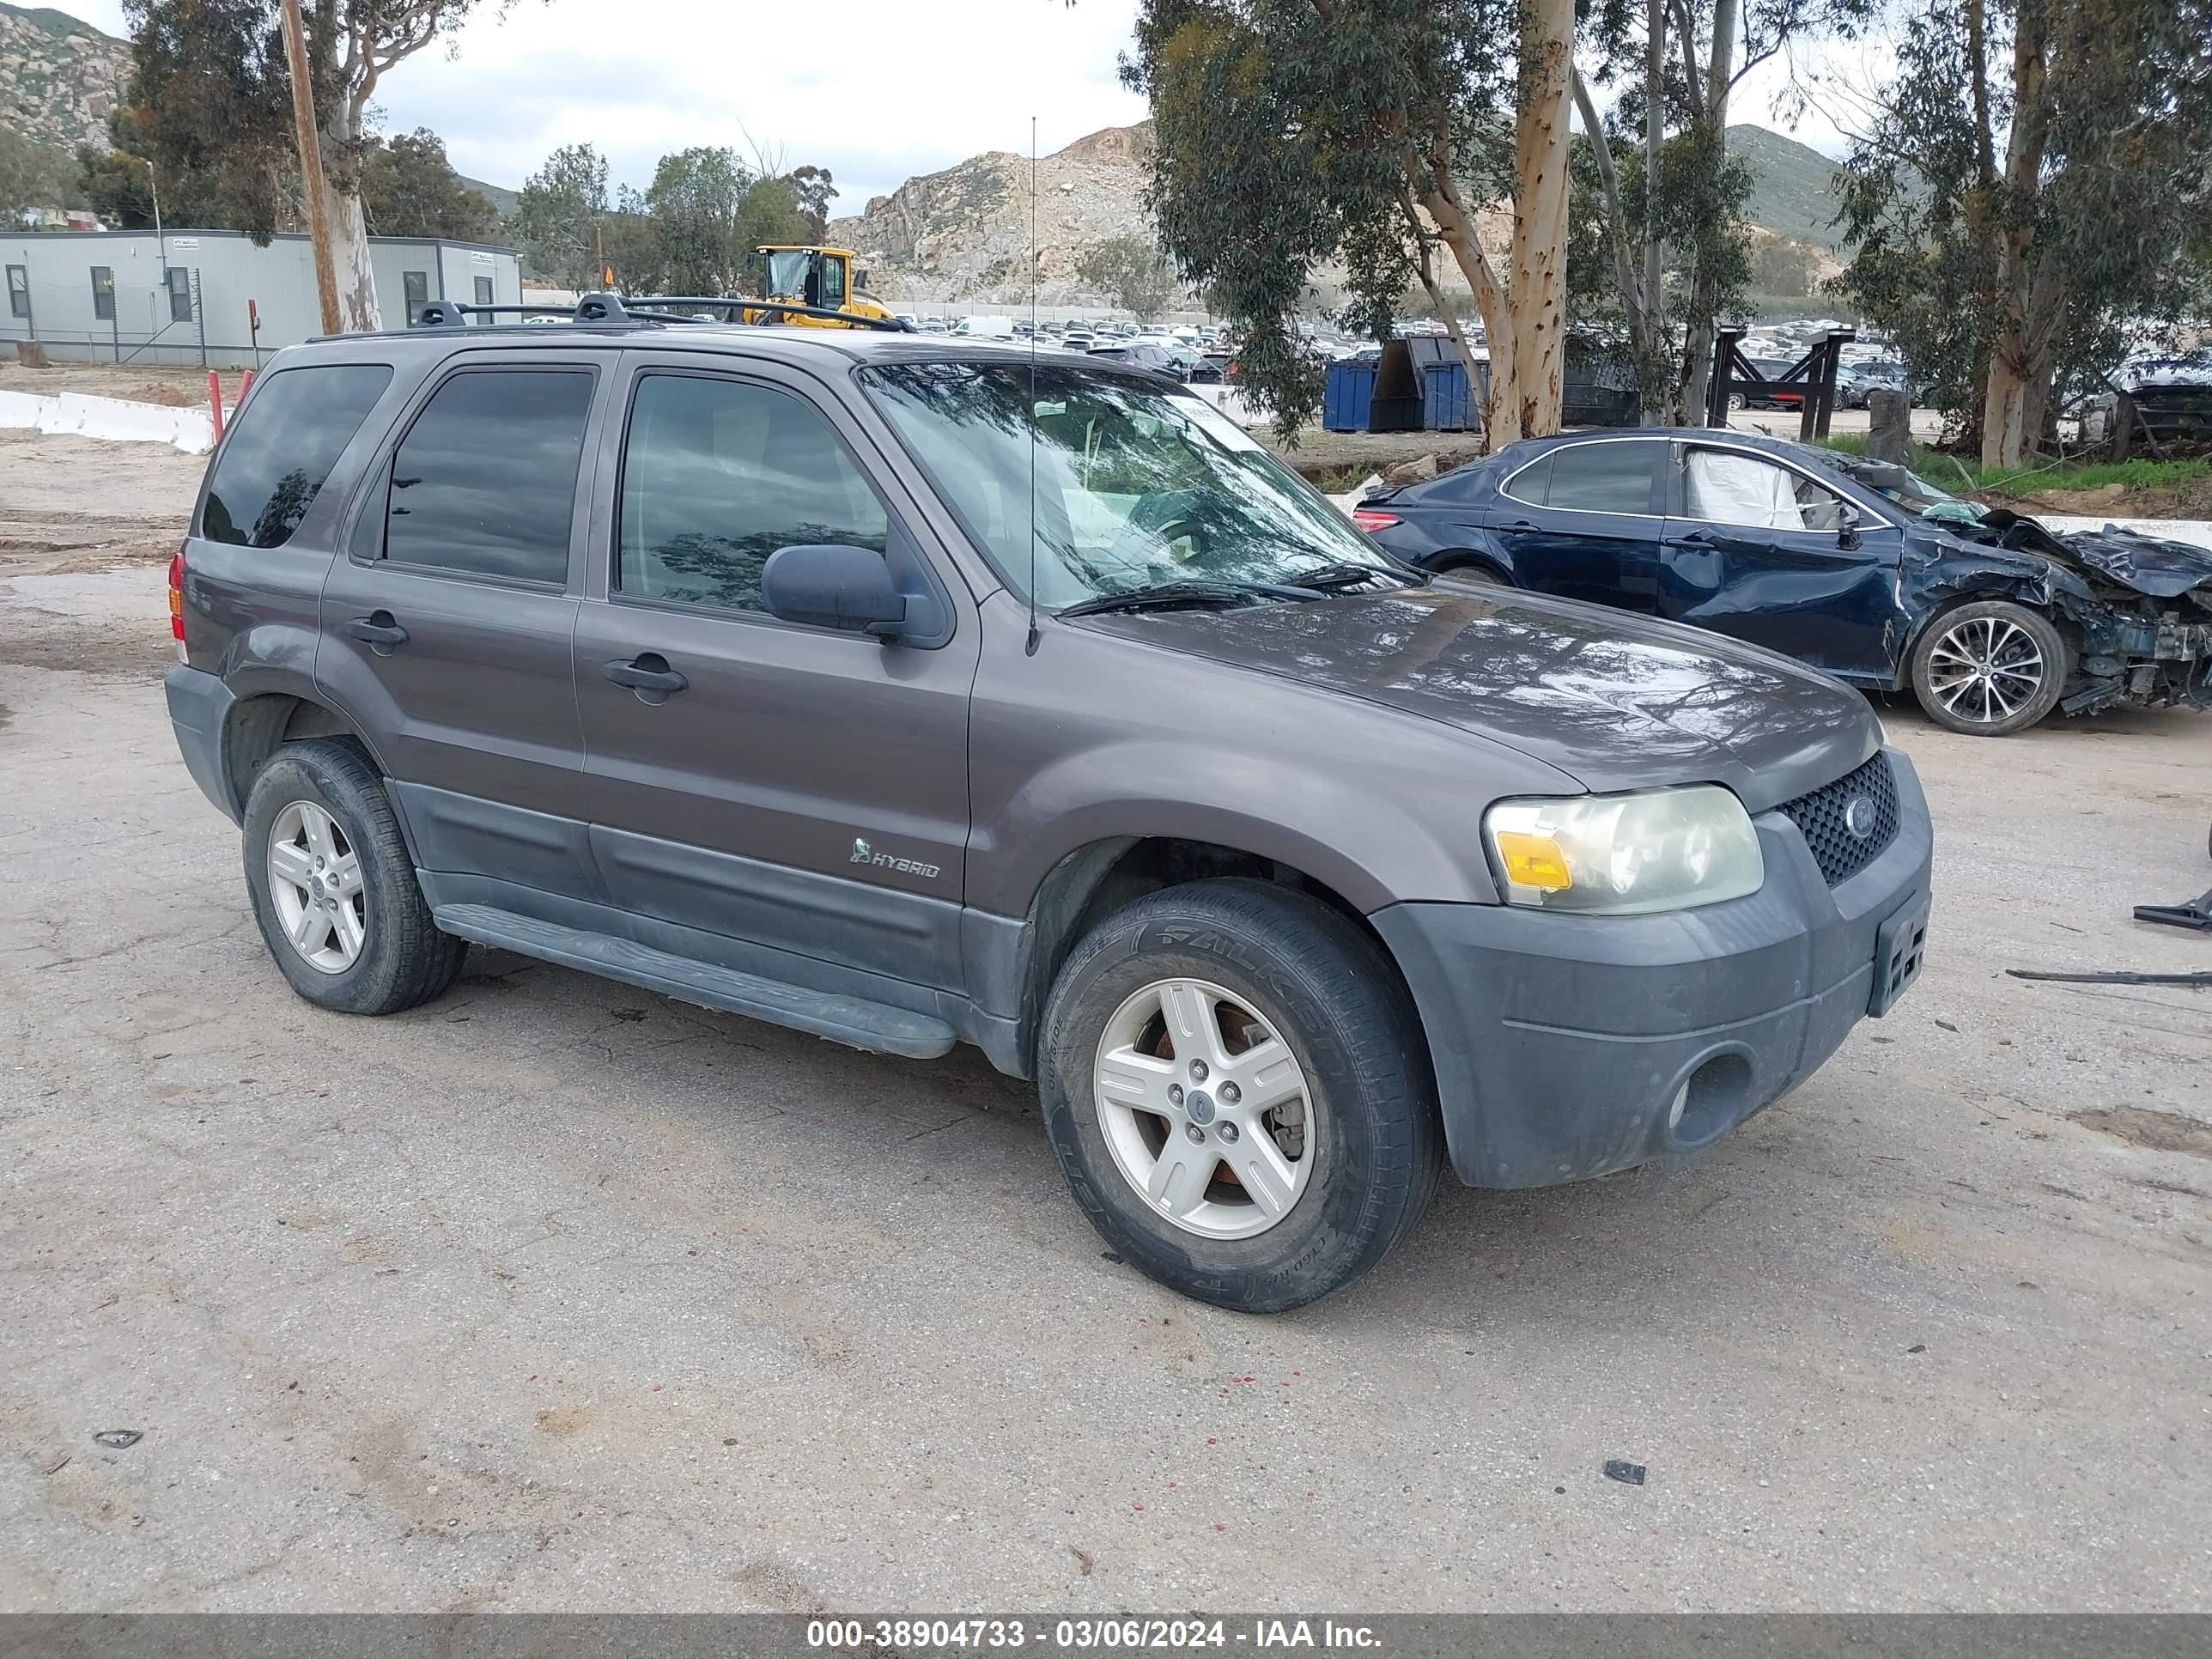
112	419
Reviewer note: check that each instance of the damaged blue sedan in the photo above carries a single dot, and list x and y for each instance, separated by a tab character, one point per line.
1856	567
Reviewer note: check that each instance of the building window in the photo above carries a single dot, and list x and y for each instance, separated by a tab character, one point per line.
417	284
180	280
484	297
103	293
19	291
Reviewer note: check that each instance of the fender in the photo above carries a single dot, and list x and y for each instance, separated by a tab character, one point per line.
1366	849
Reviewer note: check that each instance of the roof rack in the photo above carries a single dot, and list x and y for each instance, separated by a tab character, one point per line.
608	310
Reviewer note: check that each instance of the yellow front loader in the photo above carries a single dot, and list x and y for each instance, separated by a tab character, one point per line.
826	278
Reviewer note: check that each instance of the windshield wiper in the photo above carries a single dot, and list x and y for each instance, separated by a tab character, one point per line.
1330	578
1155	595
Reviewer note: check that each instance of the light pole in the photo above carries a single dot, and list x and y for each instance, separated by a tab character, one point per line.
310	165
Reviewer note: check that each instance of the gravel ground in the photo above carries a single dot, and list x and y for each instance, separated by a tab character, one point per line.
554	1294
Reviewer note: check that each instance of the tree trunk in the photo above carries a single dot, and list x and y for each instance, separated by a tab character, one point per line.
2007	439
357	306
1433	186
1698	317
1537	286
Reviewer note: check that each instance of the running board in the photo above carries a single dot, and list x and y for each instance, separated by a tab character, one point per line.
871	1025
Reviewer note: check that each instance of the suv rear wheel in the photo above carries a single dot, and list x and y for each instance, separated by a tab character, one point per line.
1239	1093
1989	669
333	888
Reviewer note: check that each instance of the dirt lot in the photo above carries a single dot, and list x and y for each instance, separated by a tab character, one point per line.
556	1294
144	383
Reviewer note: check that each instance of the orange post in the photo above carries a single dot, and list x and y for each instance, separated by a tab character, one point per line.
215	401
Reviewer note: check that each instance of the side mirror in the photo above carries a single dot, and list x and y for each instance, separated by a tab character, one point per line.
859	278
1847	524
826	585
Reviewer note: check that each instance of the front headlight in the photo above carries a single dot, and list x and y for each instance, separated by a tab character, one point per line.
1623	855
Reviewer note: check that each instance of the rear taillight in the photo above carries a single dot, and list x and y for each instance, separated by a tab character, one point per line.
177	601
1373	517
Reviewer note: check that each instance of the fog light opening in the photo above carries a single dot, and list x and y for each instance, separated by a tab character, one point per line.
1711	1099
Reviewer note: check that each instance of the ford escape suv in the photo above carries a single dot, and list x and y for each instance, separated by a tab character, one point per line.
907	690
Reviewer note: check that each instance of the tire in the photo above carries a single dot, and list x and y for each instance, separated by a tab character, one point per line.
1737	400
1473	571
322	800
1357	1171
1950	662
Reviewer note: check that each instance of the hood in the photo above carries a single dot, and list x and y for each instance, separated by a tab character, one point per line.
2149	564
2154	566
1615	701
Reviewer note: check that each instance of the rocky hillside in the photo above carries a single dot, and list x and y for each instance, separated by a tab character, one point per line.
59	78
964	233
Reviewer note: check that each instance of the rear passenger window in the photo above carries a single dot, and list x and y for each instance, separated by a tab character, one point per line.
1612	477
717	475
283	447
485	480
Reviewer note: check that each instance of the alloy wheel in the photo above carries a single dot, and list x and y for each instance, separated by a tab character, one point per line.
315	885
1985	669
1205	1108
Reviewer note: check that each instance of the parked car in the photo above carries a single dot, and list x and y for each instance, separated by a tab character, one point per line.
1158	359
907	691
1863	570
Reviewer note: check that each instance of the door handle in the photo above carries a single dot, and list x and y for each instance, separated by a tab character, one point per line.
647	674
1692	538
1517	524
379	628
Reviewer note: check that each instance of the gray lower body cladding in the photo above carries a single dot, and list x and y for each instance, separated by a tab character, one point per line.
199	705
1562	1043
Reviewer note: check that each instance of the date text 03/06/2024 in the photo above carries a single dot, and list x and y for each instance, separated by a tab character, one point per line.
1109	1634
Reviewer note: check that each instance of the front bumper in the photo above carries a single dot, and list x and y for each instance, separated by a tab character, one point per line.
1561	1043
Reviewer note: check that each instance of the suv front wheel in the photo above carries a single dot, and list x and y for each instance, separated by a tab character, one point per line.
1239	1093
333	887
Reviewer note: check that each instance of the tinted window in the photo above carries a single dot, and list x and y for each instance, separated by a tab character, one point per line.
103	293
717	475
282	447
19	291
180	279
485	479
417	286
1602	478
833	282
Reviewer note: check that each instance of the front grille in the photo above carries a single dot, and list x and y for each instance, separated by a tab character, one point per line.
1821	818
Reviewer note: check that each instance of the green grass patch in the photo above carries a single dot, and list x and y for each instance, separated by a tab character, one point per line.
1965	475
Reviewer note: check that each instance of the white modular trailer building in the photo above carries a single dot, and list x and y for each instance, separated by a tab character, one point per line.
193	297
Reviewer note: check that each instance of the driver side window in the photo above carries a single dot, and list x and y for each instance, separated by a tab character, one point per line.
1731	486
717	475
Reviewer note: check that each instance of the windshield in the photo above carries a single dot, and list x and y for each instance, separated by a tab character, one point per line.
787	272
1909	490
1134	485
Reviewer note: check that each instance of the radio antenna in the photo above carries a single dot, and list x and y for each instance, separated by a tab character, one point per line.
1030	649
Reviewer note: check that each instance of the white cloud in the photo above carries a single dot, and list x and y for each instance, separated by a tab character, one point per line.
873	90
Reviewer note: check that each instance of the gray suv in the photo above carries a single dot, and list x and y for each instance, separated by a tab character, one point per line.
907	691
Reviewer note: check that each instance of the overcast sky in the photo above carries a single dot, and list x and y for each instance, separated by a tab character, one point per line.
872	90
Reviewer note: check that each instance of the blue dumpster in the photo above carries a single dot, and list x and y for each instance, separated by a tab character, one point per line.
1346	397
1446	405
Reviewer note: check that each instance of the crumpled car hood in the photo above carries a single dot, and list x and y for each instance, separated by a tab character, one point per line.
1615	701
2148	564
2154	566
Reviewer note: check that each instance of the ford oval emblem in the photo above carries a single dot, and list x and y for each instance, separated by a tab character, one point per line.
1858	816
